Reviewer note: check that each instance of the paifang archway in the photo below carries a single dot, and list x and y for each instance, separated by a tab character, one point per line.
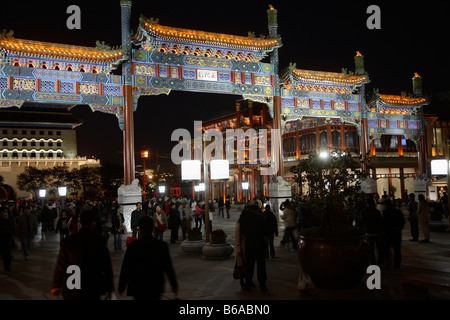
158	59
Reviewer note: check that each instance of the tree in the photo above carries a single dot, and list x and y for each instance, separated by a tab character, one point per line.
31	179
333	185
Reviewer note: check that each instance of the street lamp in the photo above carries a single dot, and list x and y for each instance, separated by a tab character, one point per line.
220	170
144	155
42	193
62	192
245	187
162	189
323	154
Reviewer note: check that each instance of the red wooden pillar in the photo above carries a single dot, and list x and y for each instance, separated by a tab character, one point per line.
277	125
128	137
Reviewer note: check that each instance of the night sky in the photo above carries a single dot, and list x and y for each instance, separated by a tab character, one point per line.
316	35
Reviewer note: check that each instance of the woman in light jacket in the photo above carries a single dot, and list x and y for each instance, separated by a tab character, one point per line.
424	217
160	223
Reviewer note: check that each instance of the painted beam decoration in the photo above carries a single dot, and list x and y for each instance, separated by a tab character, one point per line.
307	93
189	60
397	114
60	75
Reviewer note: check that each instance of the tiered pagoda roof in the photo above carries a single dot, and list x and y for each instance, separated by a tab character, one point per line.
297	78
401	100
159	37
27	117
45	50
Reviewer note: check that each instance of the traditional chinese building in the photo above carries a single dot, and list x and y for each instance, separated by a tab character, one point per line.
322	111
246	115
438	148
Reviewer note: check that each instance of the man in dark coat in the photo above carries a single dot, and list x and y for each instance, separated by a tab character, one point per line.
86	250
144	265
136	215
270	230
252	228
394	222
6	236
371	221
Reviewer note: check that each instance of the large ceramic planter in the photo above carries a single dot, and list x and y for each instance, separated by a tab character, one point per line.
336	263
192	247
217	251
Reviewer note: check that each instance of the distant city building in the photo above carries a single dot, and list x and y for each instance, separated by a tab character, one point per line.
40	137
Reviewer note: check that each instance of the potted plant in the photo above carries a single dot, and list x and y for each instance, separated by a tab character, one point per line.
218	247
332	251
194	242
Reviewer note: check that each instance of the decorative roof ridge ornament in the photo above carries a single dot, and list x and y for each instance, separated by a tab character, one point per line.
30	48
6	35
102	46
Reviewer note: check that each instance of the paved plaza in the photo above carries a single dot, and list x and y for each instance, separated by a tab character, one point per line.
204	279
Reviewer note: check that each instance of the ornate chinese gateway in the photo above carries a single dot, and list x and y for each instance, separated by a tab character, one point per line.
158	59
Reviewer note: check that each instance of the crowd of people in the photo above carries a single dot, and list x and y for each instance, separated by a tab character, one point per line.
84	228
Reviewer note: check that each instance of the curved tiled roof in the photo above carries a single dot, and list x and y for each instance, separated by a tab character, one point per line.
329	77
41	49
220	39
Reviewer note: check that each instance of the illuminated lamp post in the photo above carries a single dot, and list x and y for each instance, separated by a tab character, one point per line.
42	193
191	170
62	192
144	155
245	187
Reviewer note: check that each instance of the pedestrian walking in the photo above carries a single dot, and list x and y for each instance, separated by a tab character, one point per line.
160	223
444	204
136	215
74	224
186	220
221	207
86	250
62	226
423	215
393	223
270	231
26	230
183	220
198	216
290	224
6	238
117	228
173	222
228	206
371	222
413	218
240	263
252	228
144	265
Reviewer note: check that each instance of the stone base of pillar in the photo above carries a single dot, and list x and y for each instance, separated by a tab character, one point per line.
278	193
128	196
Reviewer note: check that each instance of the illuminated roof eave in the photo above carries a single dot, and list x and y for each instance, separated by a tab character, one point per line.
400	100
201	37
326	78
39	49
